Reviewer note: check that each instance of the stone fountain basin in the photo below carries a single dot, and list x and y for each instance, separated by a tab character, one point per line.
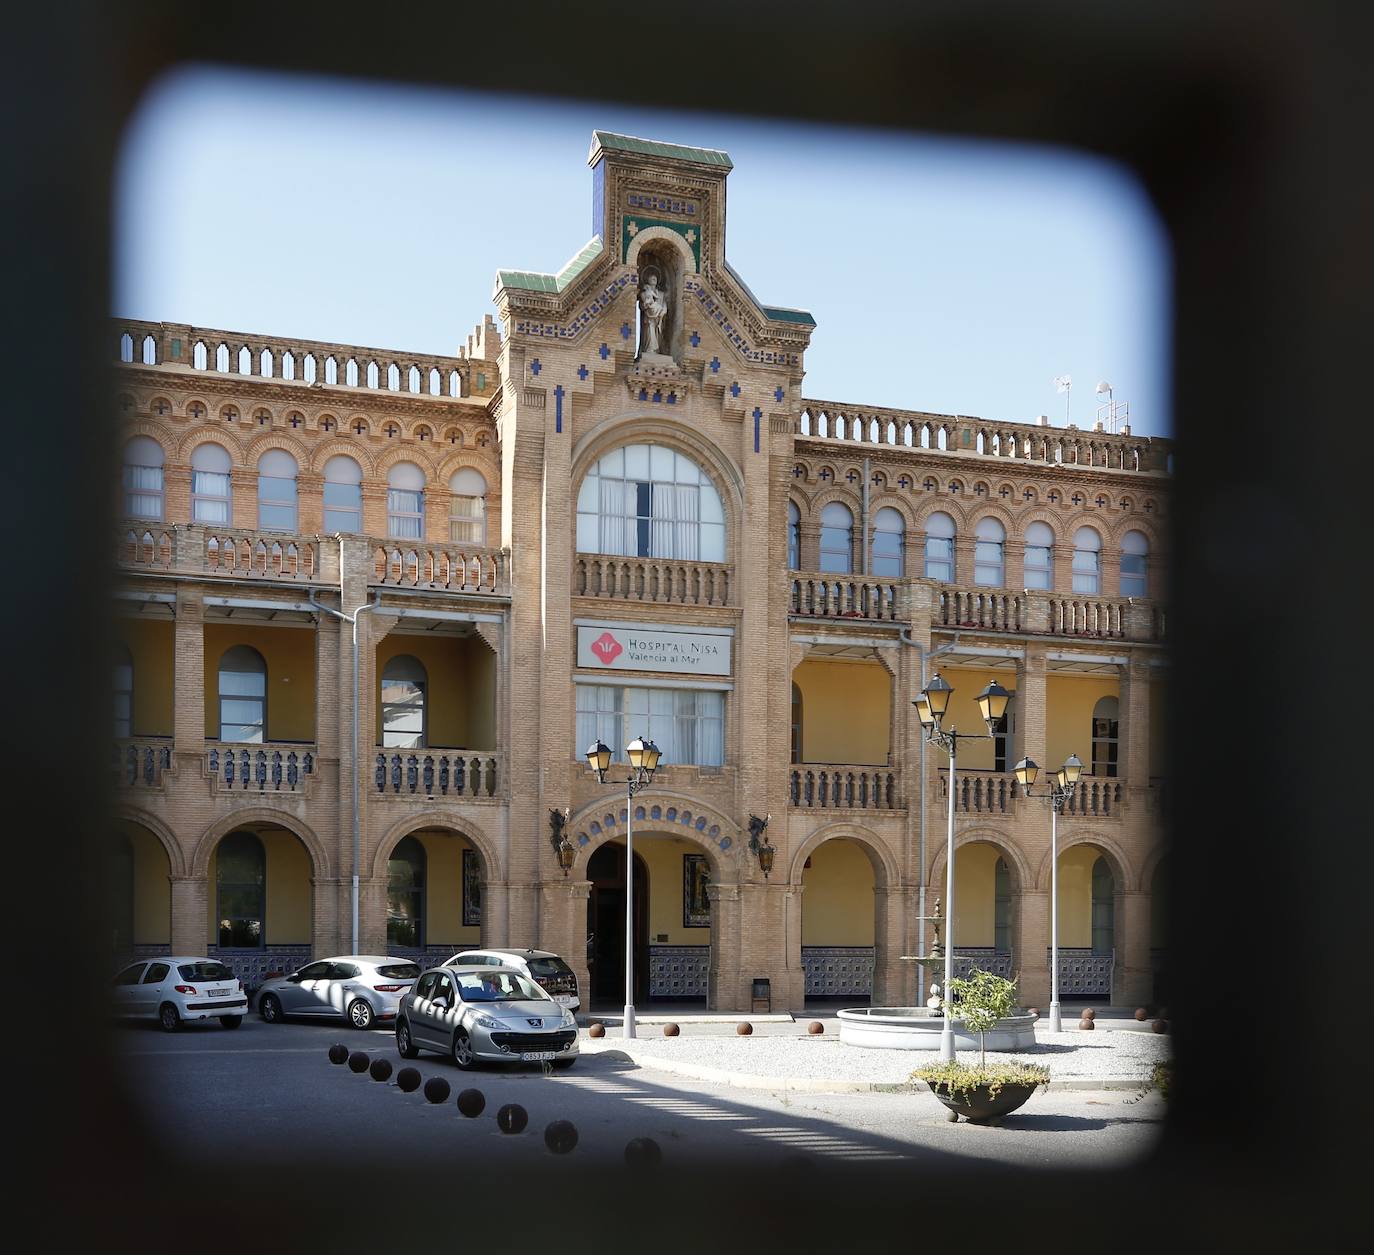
917	1028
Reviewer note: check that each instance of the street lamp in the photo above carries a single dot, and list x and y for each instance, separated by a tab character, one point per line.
931	708
759	845
1061	789
643	755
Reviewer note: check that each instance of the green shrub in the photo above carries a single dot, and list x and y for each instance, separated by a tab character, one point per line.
980	999
960	1079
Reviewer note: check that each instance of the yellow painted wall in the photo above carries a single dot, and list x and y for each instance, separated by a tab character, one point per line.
837	898
663	861
152	887
846	711
1070	700
963	716
288	890
150	646
975	893
462	687
444	891
290	657
1076	895
1159	693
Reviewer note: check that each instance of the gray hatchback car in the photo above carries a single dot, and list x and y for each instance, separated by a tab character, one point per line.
485	1015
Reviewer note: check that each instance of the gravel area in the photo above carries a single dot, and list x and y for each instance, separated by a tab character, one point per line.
1071	1055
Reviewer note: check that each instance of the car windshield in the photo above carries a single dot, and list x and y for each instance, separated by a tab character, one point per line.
206	969
400	971
497	987
551	966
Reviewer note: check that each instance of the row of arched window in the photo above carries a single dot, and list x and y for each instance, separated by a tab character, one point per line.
888	559
211	493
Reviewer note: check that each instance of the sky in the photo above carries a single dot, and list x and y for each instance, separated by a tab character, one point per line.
952	276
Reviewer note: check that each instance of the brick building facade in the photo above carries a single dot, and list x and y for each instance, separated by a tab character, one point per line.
560	533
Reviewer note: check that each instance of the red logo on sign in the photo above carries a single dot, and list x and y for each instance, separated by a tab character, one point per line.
607	648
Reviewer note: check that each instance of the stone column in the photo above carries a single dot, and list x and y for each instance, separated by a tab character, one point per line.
190	914
724	979
1032	713
1132	978
1030	939
792	993
1133	687
188	678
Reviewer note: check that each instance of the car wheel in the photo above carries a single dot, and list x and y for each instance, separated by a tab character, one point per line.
563	1064
169	1017
269	1009
360	1013
462	1050
406	1048
230	1021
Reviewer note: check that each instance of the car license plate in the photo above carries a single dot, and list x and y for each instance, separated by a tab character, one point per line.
536	1056
220	993
563	1000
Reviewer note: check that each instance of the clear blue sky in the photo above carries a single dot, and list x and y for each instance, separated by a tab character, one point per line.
949	276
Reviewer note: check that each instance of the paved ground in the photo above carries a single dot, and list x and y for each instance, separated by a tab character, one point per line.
270	1091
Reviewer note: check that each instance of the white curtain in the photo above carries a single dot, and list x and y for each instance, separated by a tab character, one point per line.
619	532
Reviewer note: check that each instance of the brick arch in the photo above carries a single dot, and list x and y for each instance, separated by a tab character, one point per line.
224	437
323	450
149	428
1115	855
446	819
893	498
649	235
886	872
404	453
171	847
1036	513
1132	523
269	440
1022	874
461	457
581	825
993	509
845	496
802	502
217	831
942	505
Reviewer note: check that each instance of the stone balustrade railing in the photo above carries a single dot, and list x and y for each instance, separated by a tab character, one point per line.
832	786
429	773
1099	797
867	425
261	555
991	608
980	792
259	768
138	763
448	568
847	597
663	580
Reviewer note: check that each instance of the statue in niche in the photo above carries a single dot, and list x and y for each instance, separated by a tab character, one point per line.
653	309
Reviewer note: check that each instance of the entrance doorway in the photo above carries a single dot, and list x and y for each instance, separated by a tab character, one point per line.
606	926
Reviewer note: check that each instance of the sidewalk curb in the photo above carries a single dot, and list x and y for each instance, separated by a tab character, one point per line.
821	1085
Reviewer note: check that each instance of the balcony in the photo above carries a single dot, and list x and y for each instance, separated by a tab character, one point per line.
823	596
237	769
138	763
839	786
997	793
428	774
664	581
441	568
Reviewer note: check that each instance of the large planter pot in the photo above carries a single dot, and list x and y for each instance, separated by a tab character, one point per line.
979	1105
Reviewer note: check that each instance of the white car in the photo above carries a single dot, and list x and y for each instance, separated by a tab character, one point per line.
174	989
363	988
543	967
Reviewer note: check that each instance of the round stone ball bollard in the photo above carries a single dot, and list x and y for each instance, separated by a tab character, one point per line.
671	1030
560	1137
408	1080
744	1029
1087	1014
471	1103
1035	1011
815	1028
338	1053
436	1089
1086	1023
1160	1026
358	1061
643	1153
596	1029
1141	1013
380	1070
512	1118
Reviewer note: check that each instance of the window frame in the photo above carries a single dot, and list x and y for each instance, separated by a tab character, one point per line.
222	697
355	486
398	662
622	722
828	534
241	837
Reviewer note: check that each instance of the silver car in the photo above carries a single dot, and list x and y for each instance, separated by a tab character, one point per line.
363	988
485	1014
176	988
543	967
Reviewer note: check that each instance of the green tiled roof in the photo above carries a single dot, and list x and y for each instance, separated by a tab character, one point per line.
779	313
655	148
531	281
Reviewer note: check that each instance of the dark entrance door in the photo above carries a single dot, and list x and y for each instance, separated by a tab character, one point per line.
606	926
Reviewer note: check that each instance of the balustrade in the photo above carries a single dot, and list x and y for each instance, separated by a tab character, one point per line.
847	597
982	608
1087	616
838	787
264	768
450	568
980	792
261	555
139	764
662	580
431	773
1100	797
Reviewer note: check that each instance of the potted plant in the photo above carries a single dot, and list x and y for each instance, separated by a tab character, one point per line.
984	1093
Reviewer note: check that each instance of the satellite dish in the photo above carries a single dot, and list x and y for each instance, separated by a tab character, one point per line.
1103	386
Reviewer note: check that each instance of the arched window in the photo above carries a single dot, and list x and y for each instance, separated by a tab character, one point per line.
988	547
405	501
242	696
405	895
837	539
796	724
404	685
889	532
940	548
277	491
343	495
1087	561
123	691
143	459
649	501
240	891
1106	728
793	536
210	484
1104	907
467	516
1135	556
1039	567
1001	907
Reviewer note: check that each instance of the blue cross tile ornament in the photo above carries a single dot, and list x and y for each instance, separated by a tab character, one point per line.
643	394
534	366
778	394
658	396
696	339
624	331
758	416
715	365
672	398
582	373
605	351
734	389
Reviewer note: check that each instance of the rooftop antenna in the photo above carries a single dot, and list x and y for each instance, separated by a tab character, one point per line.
1108	411
1062	383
